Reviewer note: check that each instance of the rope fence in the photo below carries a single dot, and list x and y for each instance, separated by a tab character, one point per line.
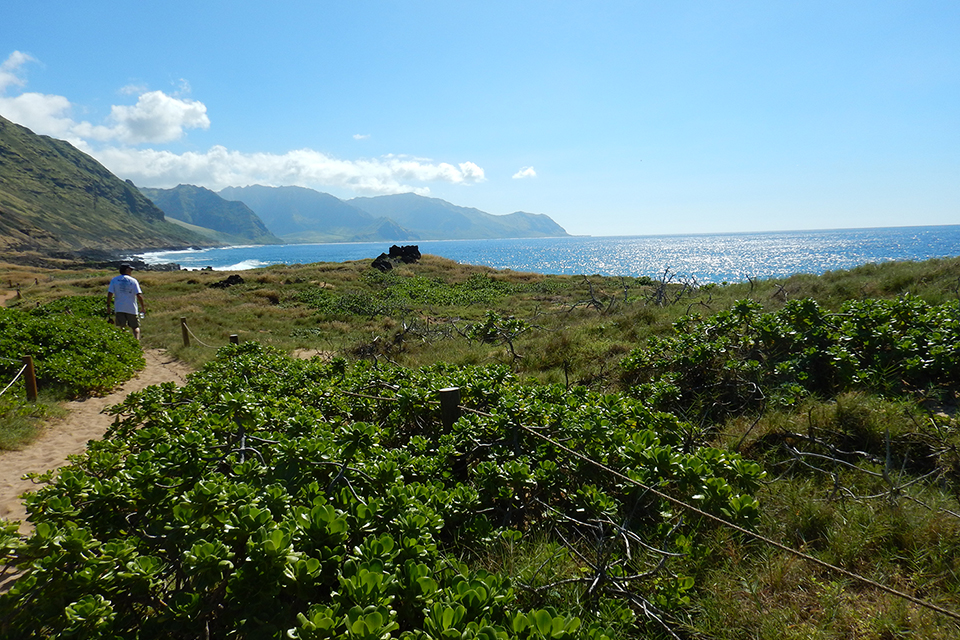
188	333
15	378
756	536
29	375
451	410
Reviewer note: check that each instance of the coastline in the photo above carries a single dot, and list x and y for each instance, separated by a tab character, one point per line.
704	258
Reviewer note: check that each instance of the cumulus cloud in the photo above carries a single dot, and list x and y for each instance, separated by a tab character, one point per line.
37	111
10	70
157	117
161	118
525	172
361	136
220	167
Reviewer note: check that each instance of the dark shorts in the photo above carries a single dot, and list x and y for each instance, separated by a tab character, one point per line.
127	320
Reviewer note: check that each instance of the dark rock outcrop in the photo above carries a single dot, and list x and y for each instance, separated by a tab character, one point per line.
229	281
407	255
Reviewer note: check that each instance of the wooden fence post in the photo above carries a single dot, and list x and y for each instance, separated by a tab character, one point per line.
183	330
234	338
449	406
30	378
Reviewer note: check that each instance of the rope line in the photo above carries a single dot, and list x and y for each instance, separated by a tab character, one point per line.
718	520
15	378
209	346
739	529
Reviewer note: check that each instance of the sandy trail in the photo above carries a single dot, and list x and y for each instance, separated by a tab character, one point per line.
69	435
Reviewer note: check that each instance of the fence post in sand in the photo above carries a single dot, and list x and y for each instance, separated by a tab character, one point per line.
234	338
183	330
30	378
449	406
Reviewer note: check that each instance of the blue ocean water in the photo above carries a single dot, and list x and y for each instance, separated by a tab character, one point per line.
727	257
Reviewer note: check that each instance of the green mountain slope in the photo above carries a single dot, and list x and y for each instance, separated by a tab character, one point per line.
297	214
55	198
435	219
204	209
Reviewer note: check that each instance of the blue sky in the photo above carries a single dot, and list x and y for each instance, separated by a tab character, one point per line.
614	118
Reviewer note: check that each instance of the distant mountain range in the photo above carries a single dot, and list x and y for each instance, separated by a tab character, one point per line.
300	215
297	215
206	212
55	199
435	219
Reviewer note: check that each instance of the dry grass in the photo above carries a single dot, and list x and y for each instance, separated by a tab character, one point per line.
744	591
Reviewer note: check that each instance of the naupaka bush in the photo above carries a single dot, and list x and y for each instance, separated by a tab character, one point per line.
72	354
271	497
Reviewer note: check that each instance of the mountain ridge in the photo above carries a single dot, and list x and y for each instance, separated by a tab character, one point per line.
299	214
56	199
421	213
206	211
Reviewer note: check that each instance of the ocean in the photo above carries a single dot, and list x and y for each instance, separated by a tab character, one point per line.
724	257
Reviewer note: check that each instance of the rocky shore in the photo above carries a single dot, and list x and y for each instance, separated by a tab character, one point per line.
82	260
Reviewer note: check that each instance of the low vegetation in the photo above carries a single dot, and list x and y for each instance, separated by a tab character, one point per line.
74	353
635	457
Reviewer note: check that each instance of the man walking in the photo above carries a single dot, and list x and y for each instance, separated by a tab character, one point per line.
125	291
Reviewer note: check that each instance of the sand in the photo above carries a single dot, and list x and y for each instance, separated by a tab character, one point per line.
69	435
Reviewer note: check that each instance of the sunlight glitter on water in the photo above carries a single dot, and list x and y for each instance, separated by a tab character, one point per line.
734	257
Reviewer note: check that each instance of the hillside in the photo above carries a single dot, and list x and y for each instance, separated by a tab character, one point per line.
435	219
297	214
55	199
232	221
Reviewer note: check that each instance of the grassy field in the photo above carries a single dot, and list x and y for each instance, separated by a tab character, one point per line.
860	479
572	329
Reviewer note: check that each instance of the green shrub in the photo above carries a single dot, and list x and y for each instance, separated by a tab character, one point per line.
72	355
78	306
741	359
271	496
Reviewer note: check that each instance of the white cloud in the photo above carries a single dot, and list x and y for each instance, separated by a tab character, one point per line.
42	113
219	167
361	136
161	118
157	117
133	89
9	70
525	172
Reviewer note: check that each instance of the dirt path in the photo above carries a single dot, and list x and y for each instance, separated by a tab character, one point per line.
70	434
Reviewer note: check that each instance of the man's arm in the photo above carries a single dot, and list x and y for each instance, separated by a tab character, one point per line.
109	301
141	303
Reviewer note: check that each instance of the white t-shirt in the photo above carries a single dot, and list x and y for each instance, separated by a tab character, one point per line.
124	289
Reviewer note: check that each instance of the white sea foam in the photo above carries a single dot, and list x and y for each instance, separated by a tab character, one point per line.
244	265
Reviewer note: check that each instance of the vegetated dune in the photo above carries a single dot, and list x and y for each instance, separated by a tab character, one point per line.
69	435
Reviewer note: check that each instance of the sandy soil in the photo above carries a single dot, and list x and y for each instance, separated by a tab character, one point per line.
69	435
